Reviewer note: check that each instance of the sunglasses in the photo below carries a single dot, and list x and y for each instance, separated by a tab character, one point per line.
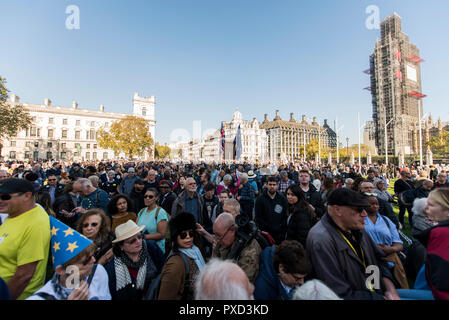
51	179
133	240
148	197
183	234
5	197
93	224
358	209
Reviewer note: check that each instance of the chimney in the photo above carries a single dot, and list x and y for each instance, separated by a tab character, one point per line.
291	117
277	116
14	98
314	120
325	122
265	118
47	102
102	108
75	105
304	120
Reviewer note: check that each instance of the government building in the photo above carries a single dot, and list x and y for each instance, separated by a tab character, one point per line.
63	134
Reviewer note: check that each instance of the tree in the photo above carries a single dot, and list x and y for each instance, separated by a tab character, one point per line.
161	152
13	118
130	135
440	143
312	150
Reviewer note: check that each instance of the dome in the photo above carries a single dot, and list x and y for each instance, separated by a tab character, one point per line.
237	116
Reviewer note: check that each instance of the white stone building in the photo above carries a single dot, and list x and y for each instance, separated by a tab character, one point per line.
254	143
62	133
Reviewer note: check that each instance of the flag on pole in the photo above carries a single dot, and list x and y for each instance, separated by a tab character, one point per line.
238	144
222	141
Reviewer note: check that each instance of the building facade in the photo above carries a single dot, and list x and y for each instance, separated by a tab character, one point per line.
286	139
254	143
369	135
395	73
62	133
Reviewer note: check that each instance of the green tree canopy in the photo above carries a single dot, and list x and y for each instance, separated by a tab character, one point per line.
13	118
161	152
130	135
440	143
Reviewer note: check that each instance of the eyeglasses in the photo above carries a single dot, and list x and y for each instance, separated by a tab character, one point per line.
6	197
219	238
93	224
148	197
51	179
297	279
133	240
358	209
164	187
184	234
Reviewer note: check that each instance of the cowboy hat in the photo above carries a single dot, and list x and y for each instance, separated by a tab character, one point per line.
251	174
126	230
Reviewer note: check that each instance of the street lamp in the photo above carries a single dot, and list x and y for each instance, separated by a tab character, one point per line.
347	146
360	127
337	130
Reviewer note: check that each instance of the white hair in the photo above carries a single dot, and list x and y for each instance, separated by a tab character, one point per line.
94	180
418	206
244	177
314	290
83	182
234	204
217	281
227	177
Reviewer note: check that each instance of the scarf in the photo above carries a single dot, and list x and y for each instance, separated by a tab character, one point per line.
61	292
195	254
145	265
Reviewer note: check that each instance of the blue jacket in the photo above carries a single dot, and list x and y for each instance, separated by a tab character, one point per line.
268	285
247	192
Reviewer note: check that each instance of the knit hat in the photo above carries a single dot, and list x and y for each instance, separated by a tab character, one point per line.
181	222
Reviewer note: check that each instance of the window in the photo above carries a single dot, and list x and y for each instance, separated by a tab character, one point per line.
13	143
63	145
144	111
33	131
78	122
64	121
12	154
50	133
92	123
27	154
105	155
51	120
76	154
88	155
34	119
92	134
88	146
64	133
63	155
36	155
28	144
95	146
36	144
94	156
106	124
49	155
49	145
77	135
87	135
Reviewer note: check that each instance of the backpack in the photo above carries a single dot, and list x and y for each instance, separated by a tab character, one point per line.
155	285
405	198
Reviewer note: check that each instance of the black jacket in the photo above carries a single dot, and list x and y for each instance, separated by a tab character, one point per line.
313	196
271	215
137	199
299	225
130	292
208	210
166	202
66	202
58	191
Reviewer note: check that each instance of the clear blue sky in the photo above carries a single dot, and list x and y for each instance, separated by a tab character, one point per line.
203	58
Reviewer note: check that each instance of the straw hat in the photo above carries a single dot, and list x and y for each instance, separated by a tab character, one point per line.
251	174
126	230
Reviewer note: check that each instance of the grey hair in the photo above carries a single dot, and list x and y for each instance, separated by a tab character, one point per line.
83	182
232	203
418	206
314	290
349	180
244	176
225	219
227	177
94	179
216	282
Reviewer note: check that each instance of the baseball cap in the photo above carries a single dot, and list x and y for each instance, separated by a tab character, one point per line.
347	197
131	169
111	172
14	185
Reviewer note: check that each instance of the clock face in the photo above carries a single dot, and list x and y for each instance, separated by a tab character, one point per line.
411	73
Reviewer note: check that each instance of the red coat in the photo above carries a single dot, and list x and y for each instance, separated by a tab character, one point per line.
436	240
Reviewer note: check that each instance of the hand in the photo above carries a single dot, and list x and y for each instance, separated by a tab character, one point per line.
106	257
241	186
238	198
80	293
79	210
200	229
389	295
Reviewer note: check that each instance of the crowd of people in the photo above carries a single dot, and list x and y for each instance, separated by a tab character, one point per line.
227	231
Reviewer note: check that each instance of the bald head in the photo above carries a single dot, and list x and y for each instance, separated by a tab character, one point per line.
223	280
224	220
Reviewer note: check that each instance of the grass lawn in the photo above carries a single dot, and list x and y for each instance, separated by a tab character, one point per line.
406	228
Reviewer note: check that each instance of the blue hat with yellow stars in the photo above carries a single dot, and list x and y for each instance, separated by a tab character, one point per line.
66	243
